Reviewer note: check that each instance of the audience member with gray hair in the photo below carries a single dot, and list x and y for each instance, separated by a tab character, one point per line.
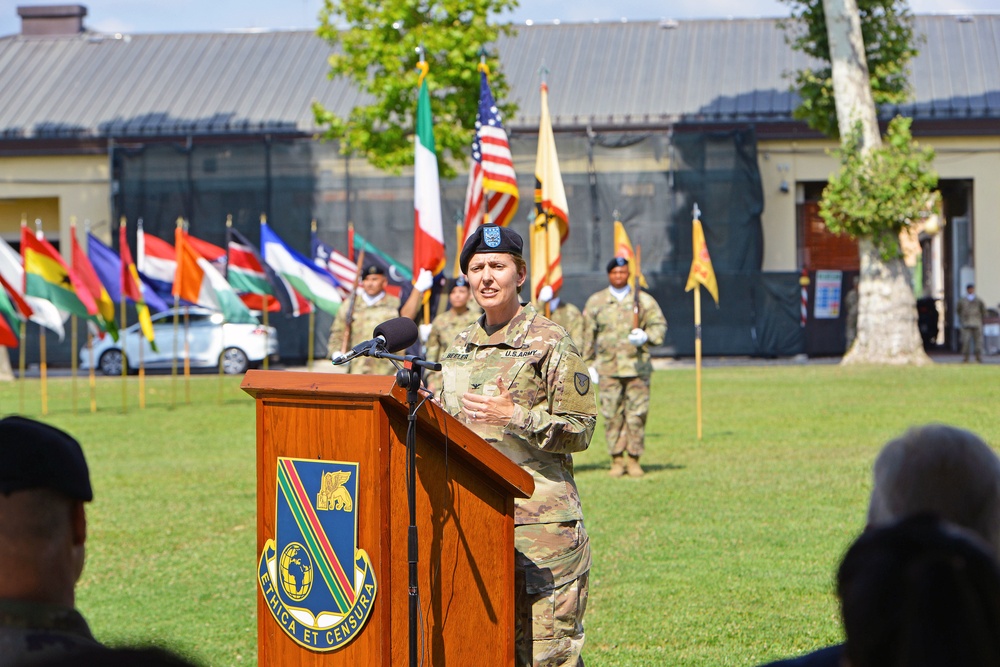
920	592
935	469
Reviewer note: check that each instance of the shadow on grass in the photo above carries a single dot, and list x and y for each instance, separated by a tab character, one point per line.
648	467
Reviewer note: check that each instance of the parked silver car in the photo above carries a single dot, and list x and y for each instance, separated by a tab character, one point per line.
210	341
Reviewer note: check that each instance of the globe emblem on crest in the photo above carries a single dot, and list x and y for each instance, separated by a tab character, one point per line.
296	571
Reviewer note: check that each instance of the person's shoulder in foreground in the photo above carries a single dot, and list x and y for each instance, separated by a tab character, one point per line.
829	656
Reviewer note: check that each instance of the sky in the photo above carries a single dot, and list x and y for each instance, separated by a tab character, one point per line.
139	16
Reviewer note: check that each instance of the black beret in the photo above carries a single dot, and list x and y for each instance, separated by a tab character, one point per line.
616	262
372	270
490	238
460	281
35	455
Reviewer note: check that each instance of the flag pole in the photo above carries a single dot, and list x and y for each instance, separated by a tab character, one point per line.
310	335
187	319
92	375
21	362
123	317
43	365
696	215
73	354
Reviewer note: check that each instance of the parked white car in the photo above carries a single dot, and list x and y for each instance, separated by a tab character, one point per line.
209	341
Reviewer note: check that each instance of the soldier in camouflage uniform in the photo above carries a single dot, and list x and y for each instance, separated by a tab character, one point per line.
449	324
516	379
618	353
372	307
44	483
564	314
453	321
971	313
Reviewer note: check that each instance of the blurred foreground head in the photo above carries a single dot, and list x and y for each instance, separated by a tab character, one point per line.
920	593
44	482
940	470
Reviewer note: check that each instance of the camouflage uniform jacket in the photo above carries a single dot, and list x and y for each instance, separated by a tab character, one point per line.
366	318
971	313
569	318
554	406
607	323
31	631
446	327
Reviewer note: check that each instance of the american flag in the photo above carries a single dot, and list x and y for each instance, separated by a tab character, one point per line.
491	170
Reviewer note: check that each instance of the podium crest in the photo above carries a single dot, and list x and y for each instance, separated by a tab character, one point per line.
318	584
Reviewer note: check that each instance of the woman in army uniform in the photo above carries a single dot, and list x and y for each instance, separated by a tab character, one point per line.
519	382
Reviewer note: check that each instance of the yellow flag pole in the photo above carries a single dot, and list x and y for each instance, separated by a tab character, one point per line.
697	353
21	363
92	376
142	372
311	337
459	237
122	338
73	353
44	373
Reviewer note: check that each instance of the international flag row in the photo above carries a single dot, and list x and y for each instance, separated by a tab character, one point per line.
37	284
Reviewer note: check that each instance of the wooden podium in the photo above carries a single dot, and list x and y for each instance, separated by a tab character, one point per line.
465	522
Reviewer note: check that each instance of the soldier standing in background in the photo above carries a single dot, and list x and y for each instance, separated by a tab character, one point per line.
564	314
971	313
617	350
372	307
448	325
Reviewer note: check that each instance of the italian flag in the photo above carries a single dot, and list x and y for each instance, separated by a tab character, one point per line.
428	233
198	282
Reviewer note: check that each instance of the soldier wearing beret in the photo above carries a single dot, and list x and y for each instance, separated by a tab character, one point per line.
461	313
519	382
618	354
564	314
372	307
44	483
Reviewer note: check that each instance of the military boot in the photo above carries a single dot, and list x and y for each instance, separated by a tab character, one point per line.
617	466
633	468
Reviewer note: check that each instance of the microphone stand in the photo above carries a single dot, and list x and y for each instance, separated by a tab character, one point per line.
410	376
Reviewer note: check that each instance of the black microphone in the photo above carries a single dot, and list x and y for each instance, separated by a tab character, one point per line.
395	334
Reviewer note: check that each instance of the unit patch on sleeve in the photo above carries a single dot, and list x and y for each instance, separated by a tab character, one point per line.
582	383
319	586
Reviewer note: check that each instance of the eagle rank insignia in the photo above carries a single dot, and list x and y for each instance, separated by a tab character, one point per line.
319	586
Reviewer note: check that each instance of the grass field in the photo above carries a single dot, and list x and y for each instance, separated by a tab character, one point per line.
722	555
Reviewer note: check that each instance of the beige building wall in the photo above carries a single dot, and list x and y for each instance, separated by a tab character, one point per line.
957	158
54	188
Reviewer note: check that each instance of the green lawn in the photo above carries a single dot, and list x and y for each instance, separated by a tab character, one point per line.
722	555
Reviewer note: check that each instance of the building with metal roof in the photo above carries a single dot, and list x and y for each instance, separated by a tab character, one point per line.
157	126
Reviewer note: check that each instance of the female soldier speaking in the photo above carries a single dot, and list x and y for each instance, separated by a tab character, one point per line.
517	379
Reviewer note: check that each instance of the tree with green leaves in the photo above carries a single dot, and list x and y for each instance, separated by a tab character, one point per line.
880	191
377	51
889	45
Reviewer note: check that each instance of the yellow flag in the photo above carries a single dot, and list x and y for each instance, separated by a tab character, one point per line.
623	248
701	264
546	257
551	226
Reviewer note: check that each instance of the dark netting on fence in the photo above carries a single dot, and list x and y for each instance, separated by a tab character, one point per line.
651	182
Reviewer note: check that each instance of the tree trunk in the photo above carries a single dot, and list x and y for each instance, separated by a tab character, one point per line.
887	310
6	373
887	314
